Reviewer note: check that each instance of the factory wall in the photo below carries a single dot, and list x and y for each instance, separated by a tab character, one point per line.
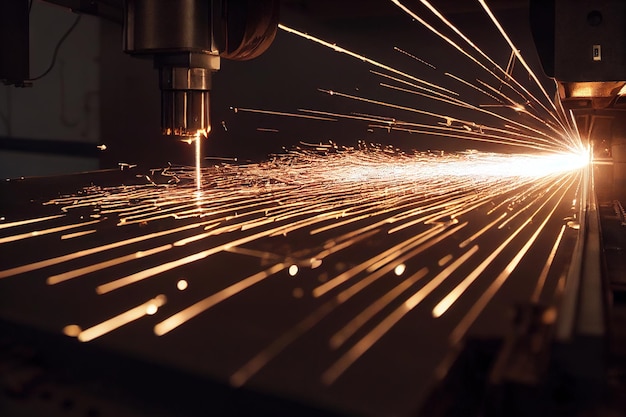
63	105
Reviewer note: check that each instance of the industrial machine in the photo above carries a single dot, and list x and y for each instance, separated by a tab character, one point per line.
162	300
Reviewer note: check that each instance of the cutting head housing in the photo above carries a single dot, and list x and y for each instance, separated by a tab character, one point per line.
186	39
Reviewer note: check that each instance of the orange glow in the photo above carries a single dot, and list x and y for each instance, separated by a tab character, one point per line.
56	279
188	313
399	270
77	234
453	295
29	221
487	295
45	231
72	330
100	329
360	57
86	252
199	135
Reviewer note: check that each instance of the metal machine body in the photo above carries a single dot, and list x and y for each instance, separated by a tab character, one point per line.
186	40
582	46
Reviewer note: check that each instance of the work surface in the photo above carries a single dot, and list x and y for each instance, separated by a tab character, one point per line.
343	280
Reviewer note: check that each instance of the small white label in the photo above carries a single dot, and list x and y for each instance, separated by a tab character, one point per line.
597	52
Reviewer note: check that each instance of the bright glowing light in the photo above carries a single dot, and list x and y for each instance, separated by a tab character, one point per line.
293	270
182	285
72	330
399	270
199	135
316	263
151	309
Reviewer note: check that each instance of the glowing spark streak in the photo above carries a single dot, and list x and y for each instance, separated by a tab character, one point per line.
345	116
122	319
60	259
511	130
421	209
280	113
37	233
306	222
361	57
388	255
546	268
445	260
481	138
419	87
476	48
444	205
355	324
255	364
385	104
448	40
481	231
438	97
422	293
352	355
488	294
523	209
519	56
174	211
453	295
463	104
339	247
150	272
190	312
56	279
480	90
348	293
29	221
198	161
477	139
261	254
78	234
402	51
260	360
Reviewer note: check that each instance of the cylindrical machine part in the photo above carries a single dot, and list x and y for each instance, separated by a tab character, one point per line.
158	26
186	38
184	100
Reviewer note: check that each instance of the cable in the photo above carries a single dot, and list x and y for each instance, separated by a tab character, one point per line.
56	49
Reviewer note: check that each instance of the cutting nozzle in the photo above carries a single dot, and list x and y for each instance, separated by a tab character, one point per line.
185	100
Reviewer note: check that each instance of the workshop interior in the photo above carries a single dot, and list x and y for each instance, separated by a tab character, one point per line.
312	207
